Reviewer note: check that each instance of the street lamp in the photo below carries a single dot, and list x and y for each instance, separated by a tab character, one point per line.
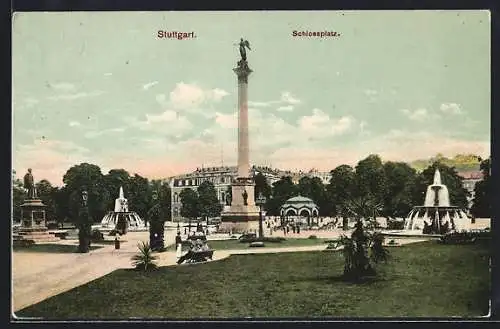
85	197
261	200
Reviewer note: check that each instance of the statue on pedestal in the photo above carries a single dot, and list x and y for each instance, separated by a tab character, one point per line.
245	197
29	185
243	45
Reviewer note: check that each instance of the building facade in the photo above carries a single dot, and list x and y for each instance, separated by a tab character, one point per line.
221	177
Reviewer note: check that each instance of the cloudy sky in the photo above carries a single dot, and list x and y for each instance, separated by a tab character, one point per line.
103	88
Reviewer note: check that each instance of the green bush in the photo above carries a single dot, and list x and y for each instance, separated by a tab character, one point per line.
395	224
264	239
96	236
144	260
312	237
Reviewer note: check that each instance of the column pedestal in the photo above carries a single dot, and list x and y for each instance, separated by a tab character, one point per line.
241	217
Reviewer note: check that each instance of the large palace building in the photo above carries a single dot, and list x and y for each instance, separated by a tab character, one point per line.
222	177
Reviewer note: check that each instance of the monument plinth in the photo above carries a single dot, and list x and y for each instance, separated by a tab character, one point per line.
243	214
33	221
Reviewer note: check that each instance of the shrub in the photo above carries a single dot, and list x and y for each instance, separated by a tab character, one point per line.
332	245
460	237
96	236
264	239
393	224
113	232
362	251
52	226
312	237
23	243
144	260
247	236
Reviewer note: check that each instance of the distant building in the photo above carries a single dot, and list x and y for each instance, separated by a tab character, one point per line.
323	175
221	177
469	180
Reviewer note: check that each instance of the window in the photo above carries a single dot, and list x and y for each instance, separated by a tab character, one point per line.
222	197
176	212
176	197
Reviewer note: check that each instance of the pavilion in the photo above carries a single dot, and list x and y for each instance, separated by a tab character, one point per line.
299	207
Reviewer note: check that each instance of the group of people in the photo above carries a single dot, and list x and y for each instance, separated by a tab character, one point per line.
198	247
294	227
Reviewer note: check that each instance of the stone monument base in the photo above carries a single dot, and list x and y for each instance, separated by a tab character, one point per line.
26	236
240	219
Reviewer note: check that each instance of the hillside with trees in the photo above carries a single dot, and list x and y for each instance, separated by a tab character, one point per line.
461	162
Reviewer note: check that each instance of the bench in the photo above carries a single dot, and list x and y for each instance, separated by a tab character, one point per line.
196	256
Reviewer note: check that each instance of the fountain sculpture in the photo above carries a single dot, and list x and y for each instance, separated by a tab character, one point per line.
436	216
121	216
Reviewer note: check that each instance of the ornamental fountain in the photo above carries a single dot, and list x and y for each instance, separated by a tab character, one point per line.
121	214
436	216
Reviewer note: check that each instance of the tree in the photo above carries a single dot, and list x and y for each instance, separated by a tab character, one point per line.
18	197
89	176
364	249
481	206
190	206
139	195
164	197
62	204
156	219
282	190
113	180
261	186
340	189
370	178
313	188
47	193
450	178
166	200
209	205
400	189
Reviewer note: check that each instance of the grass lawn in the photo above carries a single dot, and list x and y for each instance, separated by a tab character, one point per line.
52	248
424	279
237	245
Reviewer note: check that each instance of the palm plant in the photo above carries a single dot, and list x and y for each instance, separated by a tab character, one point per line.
364	249
144	260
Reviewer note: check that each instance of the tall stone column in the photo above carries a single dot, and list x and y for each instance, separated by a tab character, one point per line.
243	71
243	214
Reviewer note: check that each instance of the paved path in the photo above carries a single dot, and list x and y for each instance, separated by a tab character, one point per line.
38	276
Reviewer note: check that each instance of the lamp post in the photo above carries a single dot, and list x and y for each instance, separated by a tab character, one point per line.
156	227
261	200
84	225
